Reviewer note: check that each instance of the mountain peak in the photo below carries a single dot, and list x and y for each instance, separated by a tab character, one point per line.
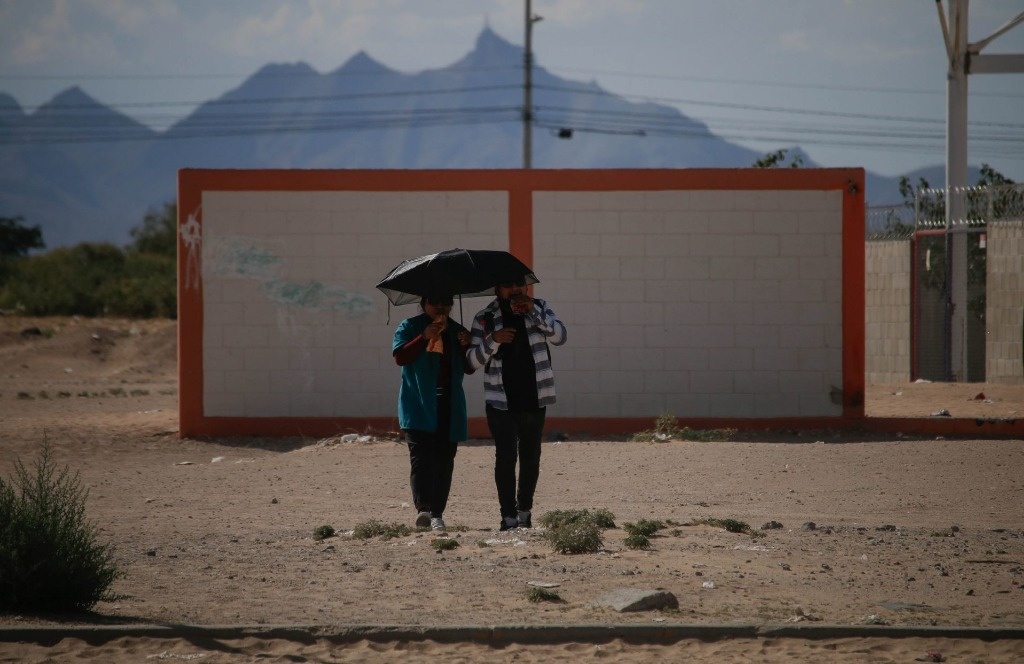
75	105
72	97
282	70
361	64
491	48
9	107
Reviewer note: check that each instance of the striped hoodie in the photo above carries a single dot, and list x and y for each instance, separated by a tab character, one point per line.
543	327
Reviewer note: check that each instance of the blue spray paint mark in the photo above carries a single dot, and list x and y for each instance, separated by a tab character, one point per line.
317	296
244	260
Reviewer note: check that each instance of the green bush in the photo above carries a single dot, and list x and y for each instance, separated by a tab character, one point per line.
375	528
535	594
643	527
579	537
146	288
637	540
66	281
323	532
49	557
92	280
602	518
445	544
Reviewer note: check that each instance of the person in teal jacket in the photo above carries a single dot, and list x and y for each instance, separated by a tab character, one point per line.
430	348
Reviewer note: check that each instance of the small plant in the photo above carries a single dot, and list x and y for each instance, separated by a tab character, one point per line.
731	525
645	527
666	428
25	395
535	594
637	540
601	518
374	528
445	544
323	532
49	557
638	534
579	537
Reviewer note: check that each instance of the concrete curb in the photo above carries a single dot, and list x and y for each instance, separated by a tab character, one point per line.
493	635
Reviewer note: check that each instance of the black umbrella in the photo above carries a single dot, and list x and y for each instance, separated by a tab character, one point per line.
465	272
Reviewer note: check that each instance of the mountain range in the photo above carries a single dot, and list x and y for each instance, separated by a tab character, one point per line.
85	172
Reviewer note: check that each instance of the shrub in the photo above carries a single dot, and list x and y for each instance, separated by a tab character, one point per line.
49	557
644	527
375	528
731	525
445	544
323	532
535	594
92	280
636	540
666	428
580	537
556	518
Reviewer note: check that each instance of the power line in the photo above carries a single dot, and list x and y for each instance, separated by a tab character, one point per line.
63	125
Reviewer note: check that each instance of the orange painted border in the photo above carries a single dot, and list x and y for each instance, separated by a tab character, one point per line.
520	185
853	298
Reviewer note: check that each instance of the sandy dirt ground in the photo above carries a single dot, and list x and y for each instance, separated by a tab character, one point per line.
909	531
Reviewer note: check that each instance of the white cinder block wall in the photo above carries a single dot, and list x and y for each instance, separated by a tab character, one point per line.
293	325
887	311
694	303
683	299
1004	305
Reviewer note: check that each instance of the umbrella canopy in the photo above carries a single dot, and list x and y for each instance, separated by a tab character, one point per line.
466	272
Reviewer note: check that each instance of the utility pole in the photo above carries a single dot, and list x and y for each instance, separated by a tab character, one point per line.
528	88
963	59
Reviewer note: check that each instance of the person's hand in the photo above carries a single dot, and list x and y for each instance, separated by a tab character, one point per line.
433	331
505	335
521	304
463	338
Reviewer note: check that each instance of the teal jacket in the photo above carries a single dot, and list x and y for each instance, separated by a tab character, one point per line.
417	397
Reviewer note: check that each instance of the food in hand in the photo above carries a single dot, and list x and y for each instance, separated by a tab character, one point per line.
437	345
521	304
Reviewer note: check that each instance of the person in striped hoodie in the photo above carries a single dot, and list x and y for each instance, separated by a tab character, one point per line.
511	339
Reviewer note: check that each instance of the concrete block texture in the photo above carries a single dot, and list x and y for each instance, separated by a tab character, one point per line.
887	311
708	295
1004	303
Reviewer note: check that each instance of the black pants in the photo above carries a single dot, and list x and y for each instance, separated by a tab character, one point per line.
432	462
517	437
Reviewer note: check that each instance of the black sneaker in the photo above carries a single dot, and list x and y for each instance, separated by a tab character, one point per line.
524	519
508	523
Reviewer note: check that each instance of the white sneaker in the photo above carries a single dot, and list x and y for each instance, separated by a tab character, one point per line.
437	523
423	519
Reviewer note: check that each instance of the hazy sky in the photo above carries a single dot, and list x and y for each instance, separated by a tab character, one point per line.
854	82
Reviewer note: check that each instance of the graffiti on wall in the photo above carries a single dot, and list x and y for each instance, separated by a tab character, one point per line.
240	257
191	236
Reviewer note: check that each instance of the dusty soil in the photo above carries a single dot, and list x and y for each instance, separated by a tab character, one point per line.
909	531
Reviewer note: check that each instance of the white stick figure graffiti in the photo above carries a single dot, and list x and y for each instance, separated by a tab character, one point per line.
191	235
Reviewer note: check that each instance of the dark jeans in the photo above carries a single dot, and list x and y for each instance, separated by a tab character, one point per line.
432	463
517	436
